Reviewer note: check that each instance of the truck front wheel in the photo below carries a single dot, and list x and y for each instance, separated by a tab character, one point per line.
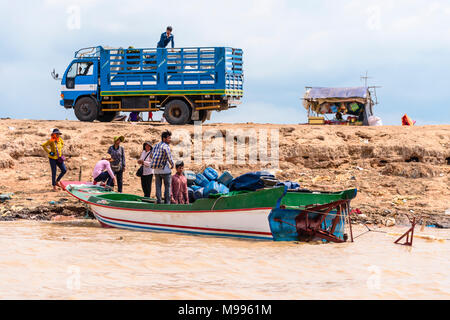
177	112
86	109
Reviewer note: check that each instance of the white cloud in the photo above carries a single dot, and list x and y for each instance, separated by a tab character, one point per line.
287	44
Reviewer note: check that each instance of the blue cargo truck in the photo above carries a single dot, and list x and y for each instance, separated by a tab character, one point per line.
187	84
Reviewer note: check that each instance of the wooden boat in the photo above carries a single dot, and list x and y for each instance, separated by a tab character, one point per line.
268	214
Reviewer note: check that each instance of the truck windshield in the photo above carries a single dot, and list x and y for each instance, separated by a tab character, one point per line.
80	69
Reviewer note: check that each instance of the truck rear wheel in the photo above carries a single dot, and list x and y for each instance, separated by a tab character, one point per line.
107	116
177	112
203	115
86	109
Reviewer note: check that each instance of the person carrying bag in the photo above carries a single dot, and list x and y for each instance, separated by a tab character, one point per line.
117	153
145	172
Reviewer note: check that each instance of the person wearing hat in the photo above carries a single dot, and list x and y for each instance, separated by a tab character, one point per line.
117	154
53	148
147	172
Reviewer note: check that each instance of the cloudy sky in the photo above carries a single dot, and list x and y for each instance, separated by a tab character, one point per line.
403	44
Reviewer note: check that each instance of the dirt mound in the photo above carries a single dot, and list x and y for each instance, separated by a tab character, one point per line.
411	170
397	170
6	162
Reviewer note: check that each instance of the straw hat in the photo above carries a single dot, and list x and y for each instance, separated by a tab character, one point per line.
121	138
107	157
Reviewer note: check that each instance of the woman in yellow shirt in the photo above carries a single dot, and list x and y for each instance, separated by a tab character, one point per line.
53	148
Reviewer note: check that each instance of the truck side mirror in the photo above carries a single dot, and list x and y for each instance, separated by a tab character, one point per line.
55	75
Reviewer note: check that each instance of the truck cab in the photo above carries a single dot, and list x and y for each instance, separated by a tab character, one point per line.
81	83
187	84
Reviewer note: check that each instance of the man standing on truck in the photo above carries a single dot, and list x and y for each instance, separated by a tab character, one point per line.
166	37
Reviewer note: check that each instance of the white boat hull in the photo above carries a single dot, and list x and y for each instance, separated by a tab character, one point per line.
246	223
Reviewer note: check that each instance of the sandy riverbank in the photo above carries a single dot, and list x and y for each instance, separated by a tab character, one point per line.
397	170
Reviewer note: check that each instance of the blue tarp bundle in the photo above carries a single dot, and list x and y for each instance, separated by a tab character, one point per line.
340	93
249	181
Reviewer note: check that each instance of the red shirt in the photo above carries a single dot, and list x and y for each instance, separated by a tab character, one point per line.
179	190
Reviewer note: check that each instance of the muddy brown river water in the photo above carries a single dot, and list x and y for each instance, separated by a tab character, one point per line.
80	260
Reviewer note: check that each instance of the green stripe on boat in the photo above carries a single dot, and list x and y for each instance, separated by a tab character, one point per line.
266	198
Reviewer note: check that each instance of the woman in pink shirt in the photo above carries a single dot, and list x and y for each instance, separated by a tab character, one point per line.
179	186
103	172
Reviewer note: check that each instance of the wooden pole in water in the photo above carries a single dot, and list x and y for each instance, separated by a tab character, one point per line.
410	232
350	221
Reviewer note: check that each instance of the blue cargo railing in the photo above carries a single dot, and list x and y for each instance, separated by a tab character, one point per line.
171	69
234	69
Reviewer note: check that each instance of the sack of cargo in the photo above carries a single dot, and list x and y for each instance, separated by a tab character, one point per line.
212	188
225	178
191	177
250	181
195	188
201	180
211	174
191	195
290	185
198	194
270	182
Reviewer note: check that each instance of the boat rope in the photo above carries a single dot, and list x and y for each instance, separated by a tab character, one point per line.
379	231
368	230
279	220
293	232
215	202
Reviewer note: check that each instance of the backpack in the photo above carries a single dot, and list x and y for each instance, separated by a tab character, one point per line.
116	167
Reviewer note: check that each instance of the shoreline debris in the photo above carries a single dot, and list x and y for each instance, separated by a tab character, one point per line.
6	196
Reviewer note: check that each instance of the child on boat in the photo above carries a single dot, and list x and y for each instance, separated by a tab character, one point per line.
179	185
103	172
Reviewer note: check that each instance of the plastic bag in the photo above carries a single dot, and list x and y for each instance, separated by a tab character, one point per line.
375	121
